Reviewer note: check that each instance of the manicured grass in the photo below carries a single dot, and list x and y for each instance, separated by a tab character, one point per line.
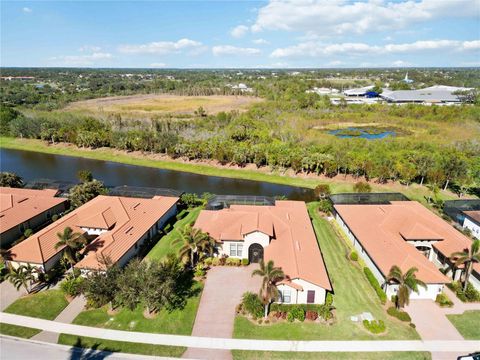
44	305
18	331
353	296
165	245
467	324
414	191
265	355
119	346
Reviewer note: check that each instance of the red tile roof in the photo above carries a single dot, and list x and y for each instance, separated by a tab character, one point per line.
294	245
383	230
473	214
19	205
125	219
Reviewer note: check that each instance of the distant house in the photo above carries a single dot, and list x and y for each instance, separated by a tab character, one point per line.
116	226
406	234
22	209
282	233
472	222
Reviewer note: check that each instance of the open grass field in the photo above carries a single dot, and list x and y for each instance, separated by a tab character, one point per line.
147	105
45	305
337	184
265	355
467	324
353	295
165	245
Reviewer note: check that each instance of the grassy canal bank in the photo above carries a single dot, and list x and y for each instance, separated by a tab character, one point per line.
338	184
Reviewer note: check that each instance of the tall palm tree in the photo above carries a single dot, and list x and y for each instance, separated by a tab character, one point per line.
406	282
195	242
271	275
467	258
72	243
22	276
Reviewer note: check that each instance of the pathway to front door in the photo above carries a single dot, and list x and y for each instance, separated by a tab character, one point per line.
216	313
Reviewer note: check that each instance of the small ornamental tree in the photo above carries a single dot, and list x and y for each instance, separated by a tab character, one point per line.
322	191
8	179
82	193
270	275
362	187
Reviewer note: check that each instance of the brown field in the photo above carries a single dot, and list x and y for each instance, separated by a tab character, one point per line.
148	105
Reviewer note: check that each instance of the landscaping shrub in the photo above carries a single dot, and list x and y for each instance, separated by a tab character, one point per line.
167	228
28	233
290	317
376	286
222	260
208	261
412	325
329	299
71	286
182	214
443	300
311	315
245	262
199	271
216	261
325	312
298	313
374	326
325	206
54	217
400	315
233	262
354	256
471	295
252	304
362	187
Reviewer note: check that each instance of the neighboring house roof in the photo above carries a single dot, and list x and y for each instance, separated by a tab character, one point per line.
123	219
359	91
20	205
474	215
293	246
381	229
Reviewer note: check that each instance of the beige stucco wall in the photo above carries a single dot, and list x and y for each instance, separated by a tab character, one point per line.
430	293
254	237
300	296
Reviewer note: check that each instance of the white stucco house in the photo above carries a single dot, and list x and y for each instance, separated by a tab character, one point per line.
282	233
472	222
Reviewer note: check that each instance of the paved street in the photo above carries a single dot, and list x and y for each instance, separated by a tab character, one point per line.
216	313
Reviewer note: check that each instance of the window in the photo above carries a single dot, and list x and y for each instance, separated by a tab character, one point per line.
239	250
233	249
286	296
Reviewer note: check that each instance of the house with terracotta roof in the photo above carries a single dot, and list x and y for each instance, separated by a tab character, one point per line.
406	234
472	222
282	233
116	226
22	209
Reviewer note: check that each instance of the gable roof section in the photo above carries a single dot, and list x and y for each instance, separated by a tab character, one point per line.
379	228
20	205
474	215
118	213
293	246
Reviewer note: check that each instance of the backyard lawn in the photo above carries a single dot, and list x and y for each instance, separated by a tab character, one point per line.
353	296
467	324
266	355
45	305
164	245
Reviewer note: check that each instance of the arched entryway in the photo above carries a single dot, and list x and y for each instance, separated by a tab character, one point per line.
255	253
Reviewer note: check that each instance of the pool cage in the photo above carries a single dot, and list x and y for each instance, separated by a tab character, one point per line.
455	208
366	198
142	192
40	184
219	202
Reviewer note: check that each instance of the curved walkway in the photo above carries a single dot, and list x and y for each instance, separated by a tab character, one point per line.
464	346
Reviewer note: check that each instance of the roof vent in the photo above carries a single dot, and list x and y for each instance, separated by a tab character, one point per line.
129	229
135	206
22	200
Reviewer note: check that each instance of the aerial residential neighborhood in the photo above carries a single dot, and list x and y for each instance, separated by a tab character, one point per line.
240	180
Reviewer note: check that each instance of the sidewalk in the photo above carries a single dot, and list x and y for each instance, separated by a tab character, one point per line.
66	316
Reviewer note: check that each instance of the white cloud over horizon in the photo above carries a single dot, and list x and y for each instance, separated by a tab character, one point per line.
81	60
239	31
162	47
27	10
230	50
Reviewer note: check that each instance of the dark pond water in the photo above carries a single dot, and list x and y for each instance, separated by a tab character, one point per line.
353	132
33	165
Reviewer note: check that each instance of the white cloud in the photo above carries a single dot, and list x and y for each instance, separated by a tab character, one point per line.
325	17
158	65
260	41
27	10
239	31
81	60
318	49
162	47
234	50
89	48
401	63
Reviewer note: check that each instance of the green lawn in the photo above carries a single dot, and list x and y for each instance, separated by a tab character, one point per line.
165	245
353	295
45	305
467	324
119	346
265	355
414	191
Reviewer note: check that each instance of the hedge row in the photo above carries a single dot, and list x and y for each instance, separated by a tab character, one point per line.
376	286
400	315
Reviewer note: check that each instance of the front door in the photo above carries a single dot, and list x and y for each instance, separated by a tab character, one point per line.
310	296
255	253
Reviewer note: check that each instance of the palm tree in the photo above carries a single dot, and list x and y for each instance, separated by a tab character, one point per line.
406	282
22	276
71	242
195	242
467	257
271	275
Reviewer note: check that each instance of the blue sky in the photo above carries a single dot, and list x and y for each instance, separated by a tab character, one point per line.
216	34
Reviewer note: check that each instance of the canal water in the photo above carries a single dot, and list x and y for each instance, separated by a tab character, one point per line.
32	165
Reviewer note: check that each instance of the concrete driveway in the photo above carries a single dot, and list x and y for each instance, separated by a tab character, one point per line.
216	313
